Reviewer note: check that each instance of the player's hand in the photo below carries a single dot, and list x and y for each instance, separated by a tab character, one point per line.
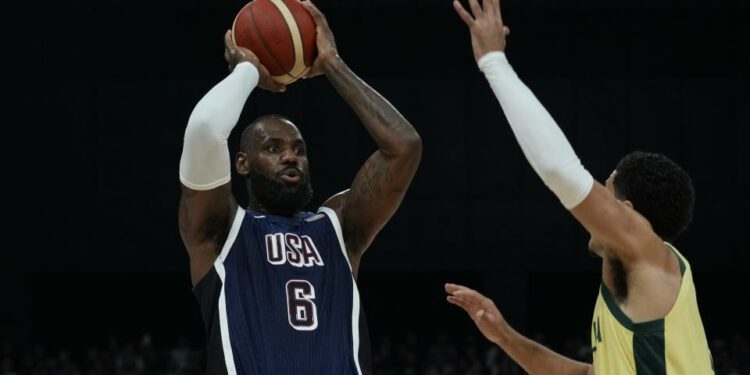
481	310
485	25
235	54
325	41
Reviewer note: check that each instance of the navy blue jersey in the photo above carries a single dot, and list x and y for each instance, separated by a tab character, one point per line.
281	299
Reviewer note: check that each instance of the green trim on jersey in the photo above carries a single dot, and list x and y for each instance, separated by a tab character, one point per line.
645	348
679	258
642	328
649	352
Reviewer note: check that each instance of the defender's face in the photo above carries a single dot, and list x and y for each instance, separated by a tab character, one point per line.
595	245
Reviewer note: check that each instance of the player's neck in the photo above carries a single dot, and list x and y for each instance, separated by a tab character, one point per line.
259	208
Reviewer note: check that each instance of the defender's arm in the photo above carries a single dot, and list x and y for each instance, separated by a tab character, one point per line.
532	356
545	146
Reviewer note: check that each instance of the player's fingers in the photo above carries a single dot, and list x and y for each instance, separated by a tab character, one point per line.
465	16
468	297
496	8
476	298
506	30
476	9
226	46
228	40
316	14
268	82
488	6
273	86
465	292
450	288
460	303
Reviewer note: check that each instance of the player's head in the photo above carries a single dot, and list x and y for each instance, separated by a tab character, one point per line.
273	159
658	189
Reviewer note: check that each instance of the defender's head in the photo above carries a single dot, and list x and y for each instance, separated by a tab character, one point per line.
273	159
658	189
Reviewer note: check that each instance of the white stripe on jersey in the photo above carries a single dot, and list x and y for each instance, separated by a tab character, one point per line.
355	292
226	344
233	232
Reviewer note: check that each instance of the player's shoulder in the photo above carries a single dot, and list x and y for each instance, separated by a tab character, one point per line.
309	217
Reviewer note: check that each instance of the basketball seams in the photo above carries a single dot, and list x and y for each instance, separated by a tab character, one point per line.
263	42
285	54
296	37
302	37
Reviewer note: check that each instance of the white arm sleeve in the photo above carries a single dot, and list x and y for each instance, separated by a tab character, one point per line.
542	141
205	163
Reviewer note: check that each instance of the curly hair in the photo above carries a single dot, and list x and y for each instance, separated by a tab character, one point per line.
659	189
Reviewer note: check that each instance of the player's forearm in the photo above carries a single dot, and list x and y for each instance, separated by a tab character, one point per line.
393	134
205	162
534	358
542	141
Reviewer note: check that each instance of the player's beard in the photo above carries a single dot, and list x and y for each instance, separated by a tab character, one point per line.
279	197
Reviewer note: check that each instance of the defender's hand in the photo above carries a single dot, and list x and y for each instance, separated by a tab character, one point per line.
486	26
235	54
325	41
481	310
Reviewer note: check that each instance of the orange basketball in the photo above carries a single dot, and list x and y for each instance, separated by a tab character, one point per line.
281	33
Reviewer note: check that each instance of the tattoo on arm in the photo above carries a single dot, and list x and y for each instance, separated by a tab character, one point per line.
380	185
369	182
384	123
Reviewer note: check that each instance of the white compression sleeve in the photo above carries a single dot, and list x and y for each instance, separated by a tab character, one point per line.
542	141
205	163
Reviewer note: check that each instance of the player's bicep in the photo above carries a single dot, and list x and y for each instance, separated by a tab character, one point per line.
615	223
204	215
205	218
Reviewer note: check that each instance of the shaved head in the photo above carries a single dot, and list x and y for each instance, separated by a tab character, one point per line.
251	131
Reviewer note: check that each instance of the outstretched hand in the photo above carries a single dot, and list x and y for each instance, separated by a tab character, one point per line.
481	310
235	54
325	41
485	25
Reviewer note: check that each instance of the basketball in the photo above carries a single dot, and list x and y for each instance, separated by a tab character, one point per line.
281	33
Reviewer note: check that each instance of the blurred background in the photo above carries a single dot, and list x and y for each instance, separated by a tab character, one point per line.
93	274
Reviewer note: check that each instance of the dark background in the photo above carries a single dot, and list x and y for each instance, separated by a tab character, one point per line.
98	93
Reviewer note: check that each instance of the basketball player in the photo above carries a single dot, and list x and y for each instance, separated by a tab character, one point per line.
276	284
646	318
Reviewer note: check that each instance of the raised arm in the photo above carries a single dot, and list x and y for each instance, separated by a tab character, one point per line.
532	356
614	222
380	185
206	204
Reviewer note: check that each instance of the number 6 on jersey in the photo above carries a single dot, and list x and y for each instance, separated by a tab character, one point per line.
303	315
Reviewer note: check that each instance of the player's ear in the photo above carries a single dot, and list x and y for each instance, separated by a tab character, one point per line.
242	163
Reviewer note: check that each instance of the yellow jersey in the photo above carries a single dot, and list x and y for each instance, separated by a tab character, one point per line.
675	344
